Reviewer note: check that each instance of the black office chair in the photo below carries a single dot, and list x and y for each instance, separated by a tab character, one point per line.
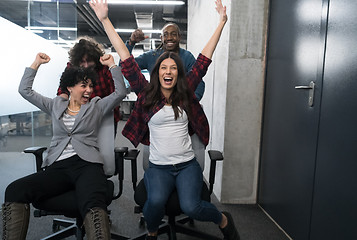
65	204
176	220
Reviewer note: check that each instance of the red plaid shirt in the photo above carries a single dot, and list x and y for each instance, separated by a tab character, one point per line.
136	128
104	87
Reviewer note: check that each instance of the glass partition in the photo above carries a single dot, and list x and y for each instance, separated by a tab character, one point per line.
55	21
19	131
31	27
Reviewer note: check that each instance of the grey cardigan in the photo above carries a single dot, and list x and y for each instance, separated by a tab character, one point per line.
83	135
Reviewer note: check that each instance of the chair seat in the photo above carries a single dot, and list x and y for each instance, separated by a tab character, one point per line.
172	206
66	203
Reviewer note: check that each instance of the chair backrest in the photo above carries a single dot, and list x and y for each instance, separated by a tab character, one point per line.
199	149
197	146
106	143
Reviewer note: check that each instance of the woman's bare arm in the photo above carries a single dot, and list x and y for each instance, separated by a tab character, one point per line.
208	50
100	8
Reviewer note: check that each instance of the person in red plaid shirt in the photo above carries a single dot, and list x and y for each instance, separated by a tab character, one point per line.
86	53
165	114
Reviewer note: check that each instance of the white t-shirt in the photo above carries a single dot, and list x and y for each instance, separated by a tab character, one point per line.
170	142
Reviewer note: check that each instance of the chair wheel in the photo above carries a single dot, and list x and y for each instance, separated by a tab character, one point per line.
55	228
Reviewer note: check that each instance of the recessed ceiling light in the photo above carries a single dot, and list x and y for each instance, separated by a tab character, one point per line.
152	2
122	30
51	28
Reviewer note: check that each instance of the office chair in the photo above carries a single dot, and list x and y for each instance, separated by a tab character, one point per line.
176	219
65	204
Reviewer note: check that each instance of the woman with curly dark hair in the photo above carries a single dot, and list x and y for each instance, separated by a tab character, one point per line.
73	160
87	53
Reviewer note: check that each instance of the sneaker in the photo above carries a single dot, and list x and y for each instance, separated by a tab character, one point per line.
230	231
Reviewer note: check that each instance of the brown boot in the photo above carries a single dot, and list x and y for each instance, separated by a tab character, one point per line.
15	218
96	224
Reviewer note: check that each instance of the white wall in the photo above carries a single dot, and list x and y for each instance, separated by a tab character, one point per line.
234	90
202	21
19	48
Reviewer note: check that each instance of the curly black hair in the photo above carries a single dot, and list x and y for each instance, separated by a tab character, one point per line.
86	47
73	75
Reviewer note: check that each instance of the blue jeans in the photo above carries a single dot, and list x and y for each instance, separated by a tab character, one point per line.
187	178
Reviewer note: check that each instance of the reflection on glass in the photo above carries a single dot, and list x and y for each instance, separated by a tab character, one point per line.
55	21
19	131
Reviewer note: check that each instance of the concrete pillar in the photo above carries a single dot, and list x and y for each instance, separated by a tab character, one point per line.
233	100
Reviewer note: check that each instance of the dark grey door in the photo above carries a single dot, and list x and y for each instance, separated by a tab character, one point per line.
334	210
308	177
296	41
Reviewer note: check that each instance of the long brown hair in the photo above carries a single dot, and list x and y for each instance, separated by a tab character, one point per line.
181	95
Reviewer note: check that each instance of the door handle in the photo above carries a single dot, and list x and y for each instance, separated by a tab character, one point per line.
311	88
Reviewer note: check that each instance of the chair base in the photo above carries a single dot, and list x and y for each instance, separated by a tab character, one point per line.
70	229
173	226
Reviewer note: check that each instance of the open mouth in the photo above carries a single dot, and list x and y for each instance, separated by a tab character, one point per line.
168	80
86	97
170	44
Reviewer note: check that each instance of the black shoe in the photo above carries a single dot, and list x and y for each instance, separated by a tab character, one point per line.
230	231
150	237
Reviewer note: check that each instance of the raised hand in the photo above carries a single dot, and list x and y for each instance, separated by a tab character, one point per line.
221	10
100	8
41	58
107	59
208	50
137	36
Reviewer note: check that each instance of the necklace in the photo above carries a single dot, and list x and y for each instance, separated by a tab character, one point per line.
72	110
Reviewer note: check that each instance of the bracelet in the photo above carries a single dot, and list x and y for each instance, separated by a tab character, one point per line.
112	66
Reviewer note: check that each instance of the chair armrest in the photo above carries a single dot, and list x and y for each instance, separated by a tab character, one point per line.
132	155
119	160
38	152
215	156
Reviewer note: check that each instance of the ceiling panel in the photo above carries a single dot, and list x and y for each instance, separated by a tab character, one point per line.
78	14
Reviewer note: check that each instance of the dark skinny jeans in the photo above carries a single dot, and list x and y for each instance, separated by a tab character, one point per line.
87	179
